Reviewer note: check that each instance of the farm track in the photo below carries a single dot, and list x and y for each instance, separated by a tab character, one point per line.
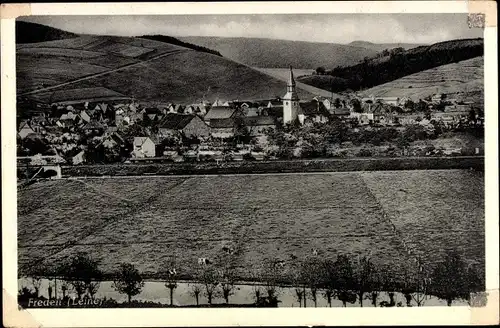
92	76
136	209
386	218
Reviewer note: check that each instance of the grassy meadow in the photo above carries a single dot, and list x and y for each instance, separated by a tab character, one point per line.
464	76
147	220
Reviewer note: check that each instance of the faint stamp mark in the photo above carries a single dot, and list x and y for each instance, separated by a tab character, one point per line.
476	20
478	299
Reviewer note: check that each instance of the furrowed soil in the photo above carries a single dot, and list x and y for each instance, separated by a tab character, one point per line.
391	216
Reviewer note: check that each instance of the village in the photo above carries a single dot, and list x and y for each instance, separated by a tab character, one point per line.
113	128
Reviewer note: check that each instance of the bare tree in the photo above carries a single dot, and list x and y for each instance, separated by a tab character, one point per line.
171	278
416	283
297	280
312	273
299	295
329	282
195	291
364	278
209	278
272	273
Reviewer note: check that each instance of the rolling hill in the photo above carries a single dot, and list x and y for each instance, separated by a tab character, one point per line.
395	65
143	68
270	53
464	76
31	32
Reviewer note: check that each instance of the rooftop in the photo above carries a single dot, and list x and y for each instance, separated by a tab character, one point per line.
175	121
220	112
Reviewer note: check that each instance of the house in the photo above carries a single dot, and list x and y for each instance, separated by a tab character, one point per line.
251	111
220	112
187	124
275	103
313	112
222	128
275	111
363	118
199	108
78	158
175	108
438	97
112	140
143	147
458	108
341	113
407	119
382	113
85	117
394	101
256	125
189	110
136	117
102	107
217	103
94	127
68	116
25	130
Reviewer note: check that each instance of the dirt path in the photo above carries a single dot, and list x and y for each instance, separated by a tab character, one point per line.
92	76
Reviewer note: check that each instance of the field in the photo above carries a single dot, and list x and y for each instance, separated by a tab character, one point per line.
186	77
465	76
147	220
141	68
83	94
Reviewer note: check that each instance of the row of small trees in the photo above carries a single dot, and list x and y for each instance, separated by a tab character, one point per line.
347	278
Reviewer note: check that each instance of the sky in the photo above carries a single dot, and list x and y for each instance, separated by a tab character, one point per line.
331	28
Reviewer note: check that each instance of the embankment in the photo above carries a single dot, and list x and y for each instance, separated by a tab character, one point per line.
290	166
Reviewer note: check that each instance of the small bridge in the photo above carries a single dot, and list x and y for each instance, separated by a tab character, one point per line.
31	172
52	170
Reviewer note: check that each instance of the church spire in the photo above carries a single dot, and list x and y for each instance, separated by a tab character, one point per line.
291	81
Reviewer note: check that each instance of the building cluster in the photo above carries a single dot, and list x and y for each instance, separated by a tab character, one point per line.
73	127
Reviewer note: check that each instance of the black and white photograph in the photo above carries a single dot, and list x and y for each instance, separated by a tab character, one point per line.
251	160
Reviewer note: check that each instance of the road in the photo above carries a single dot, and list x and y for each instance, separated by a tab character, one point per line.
92	76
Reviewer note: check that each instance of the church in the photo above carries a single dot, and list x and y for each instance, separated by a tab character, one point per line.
304	112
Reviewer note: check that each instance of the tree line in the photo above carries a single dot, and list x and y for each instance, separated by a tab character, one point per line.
347	278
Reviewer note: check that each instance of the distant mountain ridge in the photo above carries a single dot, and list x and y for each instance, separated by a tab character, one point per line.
382	46
271	53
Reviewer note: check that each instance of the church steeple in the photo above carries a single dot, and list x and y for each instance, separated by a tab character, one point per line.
291	94
290	101
291	81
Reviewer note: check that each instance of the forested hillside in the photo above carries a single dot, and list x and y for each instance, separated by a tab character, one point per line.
32	32
394	64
